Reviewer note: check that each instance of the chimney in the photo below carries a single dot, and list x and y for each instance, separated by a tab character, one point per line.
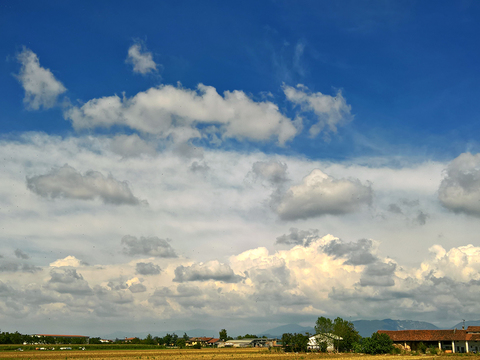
454	330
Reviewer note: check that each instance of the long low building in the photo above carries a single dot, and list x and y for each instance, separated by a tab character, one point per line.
456	341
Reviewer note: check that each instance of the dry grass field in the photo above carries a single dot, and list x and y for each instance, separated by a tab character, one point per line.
191	354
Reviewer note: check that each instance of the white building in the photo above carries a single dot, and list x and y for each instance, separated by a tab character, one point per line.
315	342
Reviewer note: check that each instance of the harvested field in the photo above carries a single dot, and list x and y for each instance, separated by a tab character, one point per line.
191	354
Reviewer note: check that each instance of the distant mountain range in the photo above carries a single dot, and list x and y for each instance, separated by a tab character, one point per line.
368	327
364	327
467	324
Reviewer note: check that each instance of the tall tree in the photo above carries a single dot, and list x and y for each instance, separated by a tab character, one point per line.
149	340
346	330
334	330
223	335
323	325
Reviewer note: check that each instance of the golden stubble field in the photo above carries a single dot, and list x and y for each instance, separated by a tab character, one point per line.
192	354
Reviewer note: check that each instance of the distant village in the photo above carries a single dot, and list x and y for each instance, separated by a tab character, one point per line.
336	335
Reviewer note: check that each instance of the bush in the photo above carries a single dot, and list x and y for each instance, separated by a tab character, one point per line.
377	344
357	348
396	351
197	346
422	348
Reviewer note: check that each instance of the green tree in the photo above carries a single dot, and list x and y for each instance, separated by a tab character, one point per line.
223	335
181	343
294	342
95	340
377	344
149	340
167	339
346	330
185	337
323	325
333	330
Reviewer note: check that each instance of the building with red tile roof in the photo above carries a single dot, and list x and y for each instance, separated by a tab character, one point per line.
456	341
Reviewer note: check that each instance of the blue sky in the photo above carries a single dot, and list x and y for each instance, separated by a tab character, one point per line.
274	160
406	68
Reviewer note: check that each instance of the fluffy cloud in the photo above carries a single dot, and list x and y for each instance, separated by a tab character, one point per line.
355	253
66	182
141	59
460	188
460	264
379	274
68	261
298	237
21	255
331	111
161	110
68	281
150	246
147	268
13	266
41	87
212	270
320	194
137	288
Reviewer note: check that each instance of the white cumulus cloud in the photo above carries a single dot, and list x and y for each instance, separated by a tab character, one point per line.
161	110
331	111
460	188
320	194
41	87
66	182
68	261
141	59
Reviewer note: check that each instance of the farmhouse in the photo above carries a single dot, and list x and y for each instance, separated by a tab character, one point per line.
455	341
253	342
204	341
328	340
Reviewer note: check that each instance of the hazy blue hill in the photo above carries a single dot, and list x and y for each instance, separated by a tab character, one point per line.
368	327
467	324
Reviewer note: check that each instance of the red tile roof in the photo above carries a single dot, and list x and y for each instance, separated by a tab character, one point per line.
473	329
430	335
204	339
213	341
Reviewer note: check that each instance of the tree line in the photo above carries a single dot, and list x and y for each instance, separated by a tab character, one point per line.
338	334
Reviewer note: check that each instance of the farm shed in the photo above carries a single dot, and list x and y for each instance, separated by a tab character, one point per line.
456	341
